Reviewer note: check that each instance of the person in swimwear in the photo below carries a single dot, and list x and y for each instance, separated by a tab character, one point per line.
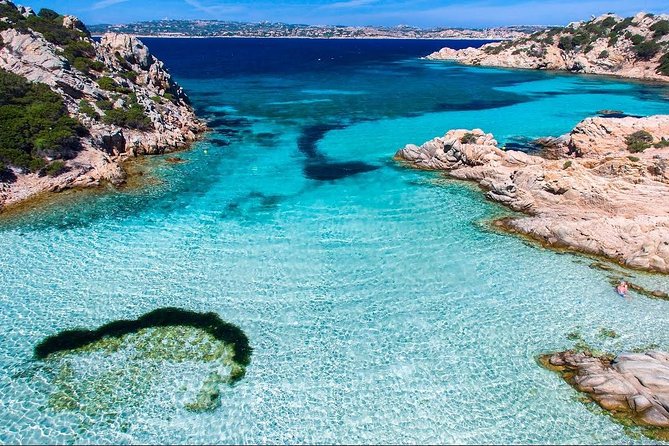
622	288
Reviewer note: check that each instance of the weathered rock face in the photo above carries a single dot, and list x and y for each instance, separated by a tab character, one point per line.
600	46
135	73
633	386
606	203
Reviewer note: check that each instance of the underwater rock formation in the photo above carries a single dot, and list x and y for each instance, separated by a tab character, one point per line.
123	362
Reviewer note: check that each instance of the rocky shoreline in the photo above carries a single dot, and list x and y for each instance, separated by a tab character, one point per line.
587	192
632	387
635	47
117	78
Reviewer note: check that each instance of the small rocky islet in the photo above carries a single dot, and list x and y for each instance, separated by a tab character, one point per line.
632	387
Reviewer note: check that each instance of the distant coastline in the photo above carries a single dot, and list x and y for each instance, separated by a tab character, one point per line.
163	36
216	28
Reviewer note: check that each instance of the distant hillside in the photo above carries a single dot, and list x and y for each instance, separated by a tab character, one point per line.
215	28
633	47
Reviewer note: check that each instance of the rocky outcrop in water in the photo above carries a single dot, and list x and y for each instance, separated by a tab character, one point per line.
635	47
632	386
123	96
596	197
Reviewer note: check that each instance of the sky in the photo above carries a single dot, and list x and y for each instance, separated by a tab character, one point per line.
421	13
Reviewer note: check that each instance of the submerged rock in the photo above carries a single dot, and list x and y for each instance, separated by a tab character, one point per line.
633	387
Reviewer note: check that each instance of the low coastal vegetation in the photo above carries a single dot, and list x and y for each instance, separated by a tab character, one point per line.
132	116
34	125
639	141
70	104
642	38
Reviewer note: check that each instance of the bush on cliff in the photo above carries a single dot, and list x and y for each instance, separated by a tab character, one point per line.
132	117
34	123
566	43
638	141
468	138
663	67
660	28
647	50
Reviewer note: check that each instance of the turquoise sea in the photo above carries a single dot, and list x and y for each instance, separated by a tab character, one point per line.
380	307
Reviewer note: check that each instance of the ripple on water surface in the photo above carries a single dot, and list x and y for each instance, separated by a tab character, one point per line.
379	307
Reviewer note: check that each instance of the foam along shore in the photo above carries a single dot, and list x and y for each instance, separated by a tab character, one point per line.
634	47
599	190
120	98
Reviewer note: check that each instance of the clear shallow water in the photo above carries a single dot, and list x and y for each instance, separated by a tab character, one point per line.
379	307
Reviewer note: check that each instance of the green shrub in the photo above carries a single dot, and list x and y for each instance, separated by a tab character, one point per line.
603	55
55	168
580	38
468	138
169	96
660	28
663	67
608	22
130	75
588	48
132	117
567	165
663	143
109	84
566	43
87	109
613	39
48	14
634	159
623	25
104	104
637	39
638	141
34	123
647	50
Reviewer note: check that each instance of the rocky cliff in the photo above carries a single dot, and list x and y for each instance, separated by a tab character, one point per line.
121	99
634	47
600	189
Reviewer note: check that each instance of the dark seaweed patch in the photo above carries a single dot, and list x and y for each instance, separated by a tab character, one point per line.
310	136
227	132
475	104
219	142
224	121
330	171
162	317
317	166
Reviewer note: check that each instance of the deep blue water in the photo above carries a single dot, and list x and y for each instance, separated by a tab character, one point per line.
380	308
